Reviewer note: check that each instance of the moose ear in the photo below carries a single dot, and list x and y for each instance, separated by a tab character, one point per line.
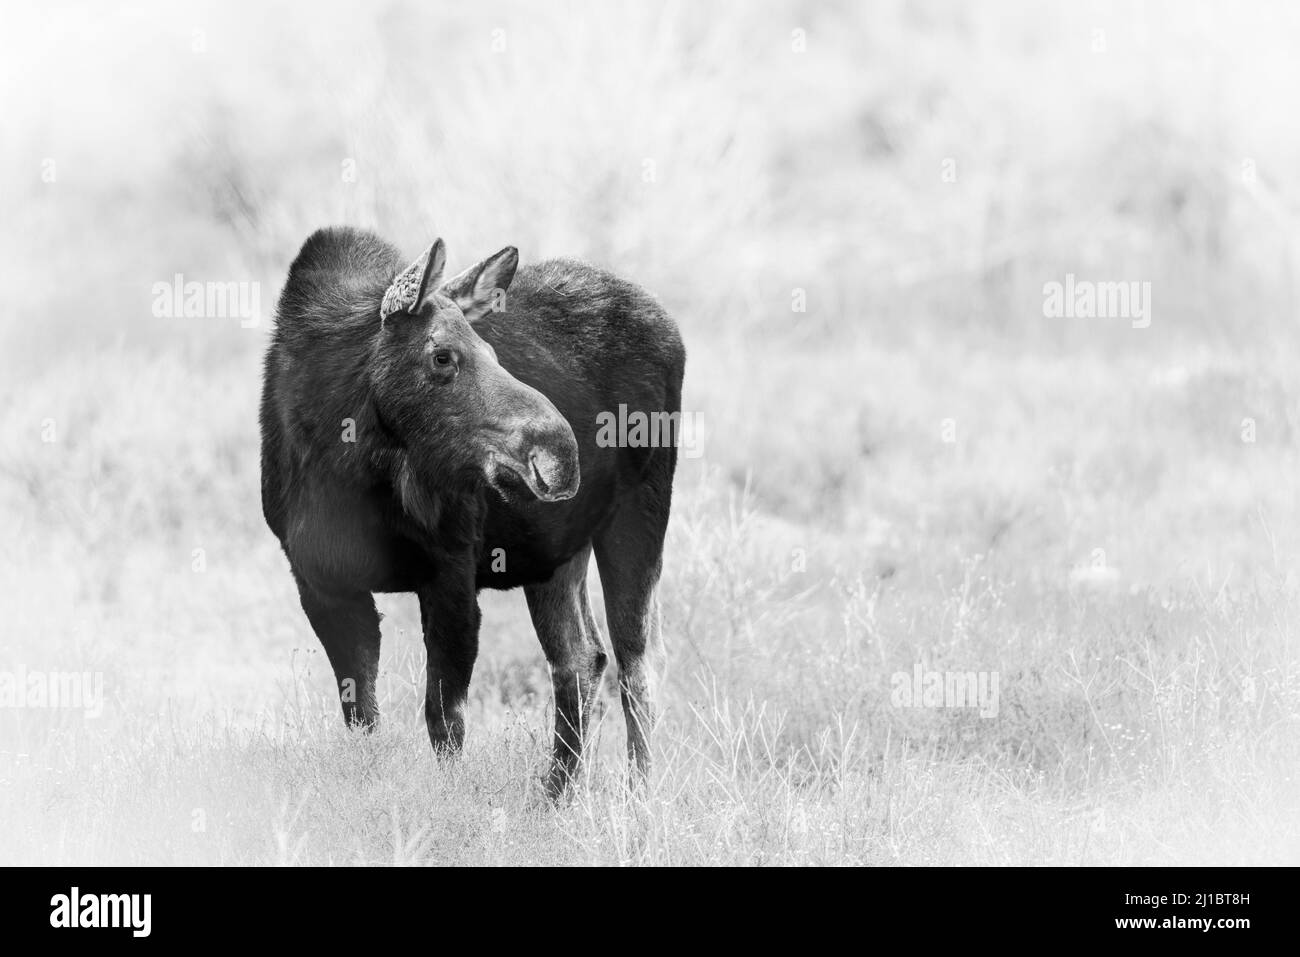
482	287
415	282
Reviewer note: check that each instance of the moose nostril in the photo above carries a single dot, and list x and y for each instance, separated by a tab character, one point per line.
553	464
539	472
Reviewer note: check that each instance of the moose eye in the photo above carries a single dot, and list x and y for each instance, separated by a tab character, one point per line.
442	357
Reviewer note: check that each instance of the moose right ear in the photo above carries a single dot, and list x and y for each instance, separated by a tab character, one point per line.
481	288
415	282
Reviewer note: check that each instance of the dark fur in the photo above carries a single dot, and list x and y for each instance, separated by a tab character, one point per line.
392	512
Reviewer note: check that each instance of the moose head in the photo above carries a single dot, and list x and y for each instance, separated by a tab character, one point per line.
439	387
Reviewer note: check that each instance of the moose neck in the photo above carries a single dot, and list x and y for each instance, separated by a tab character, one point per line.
449	507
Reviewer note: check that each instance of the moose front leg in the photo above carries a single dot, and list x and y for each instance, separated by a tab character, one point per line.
561	612
450	615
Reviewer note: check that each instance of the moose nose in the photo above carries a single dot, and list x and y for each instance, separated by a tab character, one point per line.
553	461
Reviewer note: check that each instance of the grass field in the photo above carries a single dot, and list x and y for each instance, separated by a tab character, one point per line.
852	212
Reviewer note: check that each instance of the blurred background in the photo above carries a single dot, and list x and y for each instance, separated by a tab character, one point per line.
852	210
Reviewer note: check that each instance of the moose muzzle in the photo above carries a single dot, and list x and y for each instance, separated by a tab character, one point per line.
538	447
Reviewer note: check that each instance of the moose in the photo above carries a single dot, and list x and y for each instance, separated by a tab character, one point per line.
438	436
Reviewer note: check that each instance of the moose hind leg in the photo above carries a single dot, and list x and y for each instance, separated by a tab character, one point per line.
629	554
566	628
348	627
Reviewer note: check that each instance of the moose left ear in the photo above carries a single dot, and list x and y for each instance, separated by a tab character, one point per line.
481	288
413	283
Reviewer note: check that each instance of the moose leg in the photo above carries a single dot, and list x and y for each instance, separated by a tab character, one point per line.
348	627
629	554
450	616
561	612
